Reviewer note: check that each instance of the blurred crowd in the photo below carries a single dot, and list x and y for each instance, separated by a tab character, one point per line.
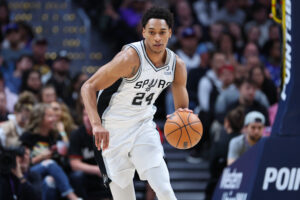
231	49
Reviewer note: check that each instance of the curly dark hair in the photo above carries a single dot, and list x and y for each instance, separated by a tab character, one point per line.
158	13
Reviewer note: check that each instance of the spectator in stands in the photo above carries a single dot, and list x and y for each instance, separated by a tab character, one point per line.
253	34
226	76
188	45
20	182
208	89
236	32
86	177
232	94
11	130
250	49
205	11
233	125
31	81
260	20
11	48
273	61
184	15
60	77
264	84
231	13
64	121
41	137
196	74
3	110
77	82
11	98
4	17
254	127
247	100
226	46
48	94
13	73
41	62
215	32
26	34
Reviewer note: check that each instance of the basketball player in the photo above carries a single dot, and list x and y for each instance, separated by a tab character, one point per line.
123	127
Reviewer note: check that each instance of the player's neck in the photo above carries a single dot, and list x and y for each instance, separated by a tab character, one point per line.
158	59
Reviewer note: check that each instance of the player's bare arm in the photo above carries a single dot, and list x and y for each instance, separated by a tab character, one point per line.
124	64
180	95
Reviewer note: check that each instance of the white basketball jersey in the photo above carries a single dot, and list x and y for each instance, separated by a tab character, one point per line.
131	100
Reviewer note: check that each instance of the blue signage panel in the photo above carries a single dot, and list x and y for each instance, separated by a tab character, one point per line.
269	170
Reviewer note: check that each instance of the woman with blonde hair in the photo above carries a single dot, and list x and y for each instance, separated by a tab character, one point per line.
42	138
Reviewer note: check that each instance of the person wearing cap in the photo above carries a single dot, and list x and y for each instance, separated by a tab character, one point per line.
60	77
11	48
253	126
41	63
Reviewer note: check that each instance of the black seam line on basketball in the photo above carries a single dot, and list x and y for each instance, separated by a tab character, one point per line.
149	61
173	131
185	127
179	137
195	130
193	123
175	123
187	130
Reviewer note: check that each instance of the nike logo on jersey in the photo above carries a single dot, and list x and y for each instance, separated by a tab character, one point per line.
168	73
148	84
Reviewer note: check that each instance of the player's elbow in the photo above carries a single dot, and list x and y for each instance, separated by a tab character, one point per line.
86	88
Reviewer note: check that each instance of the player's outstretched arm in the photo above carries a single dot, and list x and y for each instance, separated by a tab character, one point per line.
180	95
124	64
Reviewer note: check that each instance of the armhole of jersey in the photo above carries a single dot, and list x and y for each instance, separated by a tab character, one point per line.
174	65
138	73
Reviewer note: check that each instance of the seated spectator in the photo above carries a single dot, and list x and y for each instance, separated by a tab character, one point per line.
86	177
3	110
43	141
11	98
254	127
11	48
231	95
188	41
13	73
18	182
264	84
231	13
205	11
4	17
11	130
195	75
41	63
60	77
31	81
226	76
48	94
247	100
208	89
64	122
233	125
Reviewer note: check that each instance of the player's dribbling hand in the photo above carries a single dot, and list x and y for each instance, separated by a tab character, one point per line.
181	110
101	137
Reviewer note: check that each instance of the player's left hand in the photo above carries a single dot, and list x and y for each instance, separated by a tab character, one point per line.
181	110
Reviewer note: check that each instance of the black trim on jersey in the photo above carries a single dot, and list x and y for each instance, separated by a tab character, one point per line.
105	97
140	67
149	61
174	67
101	165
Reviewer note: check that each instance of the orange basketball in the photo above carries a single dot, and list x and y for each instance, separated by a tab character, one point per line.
183	130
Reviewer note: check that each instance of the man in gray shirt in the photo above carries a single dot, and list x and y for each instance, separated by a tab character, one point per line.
254	127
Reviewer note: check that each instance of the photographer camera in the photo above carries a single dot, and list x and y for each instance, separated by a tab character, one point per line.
16	182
